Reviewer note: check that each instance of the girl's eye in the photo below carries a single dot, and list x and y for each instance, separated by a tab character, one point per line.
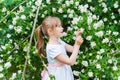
58	26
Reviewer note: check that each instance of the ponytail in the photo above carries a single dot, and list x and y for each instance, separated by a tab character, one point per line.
40	42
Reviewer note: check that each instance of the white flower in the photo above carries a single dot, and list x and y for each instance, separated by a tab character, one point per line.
16	45
19	71
76	73
21	8
106	40
74	38
60	10
71	11
94	16
118	40
98	57
98	24
31	15
48	1
105	10
98	66
93	44
54	9
1	68
82	70
7	65
68	10
70	15
115	22
104	5
10	26
115	68
15	20
105	19
64	15
71	1
110	61
43	16
108	32
3	47
89	0
102	50
13	76
67	3
69	29
113	17
0	29
90	74
59	1
88	38
89	20
10	57
1	75
92	8
115	33
83	8
25	48
38	2
116	4
76	28
75	20
1	61
103	76
119	11
118	77
82	30
4	9
85	63
34	8
18	29
64	34
96	79
90	54
8	35
77	3
23	17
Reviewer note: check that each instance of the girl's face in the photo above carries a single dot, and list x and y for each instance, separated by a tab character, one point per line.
58	32
57	29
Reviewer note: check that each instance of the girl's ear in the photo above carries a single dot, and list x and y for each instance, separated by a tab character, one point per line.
50	31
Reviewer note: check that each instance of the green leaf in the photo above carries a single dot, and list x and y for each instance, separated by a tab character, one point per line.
9	2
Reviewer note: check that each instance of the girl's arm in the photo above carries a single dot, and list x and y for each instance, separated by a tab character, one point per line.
72	59
69	48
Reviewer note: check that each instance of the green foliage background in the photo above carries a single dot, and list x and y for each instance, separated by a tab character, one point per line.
99	19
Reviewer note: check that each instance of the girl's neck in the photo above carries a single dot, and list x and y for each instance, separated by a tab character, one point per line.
53	40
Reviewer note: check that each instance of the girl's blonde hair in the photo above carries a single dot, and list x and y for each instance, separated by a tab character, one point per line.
48	22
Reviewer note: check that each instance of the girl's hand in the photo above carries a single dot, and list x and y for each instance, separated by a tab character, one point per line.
79	40
78	33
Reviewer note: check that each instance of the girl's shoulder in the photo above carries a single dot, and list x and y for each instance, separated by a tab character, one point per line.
55	46
52	46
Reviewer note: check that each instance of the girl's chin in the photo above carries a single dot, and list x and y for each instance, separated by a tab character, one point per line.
61	36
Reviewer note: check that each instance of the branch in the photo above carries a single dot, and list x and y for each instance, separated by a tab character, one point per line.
22	42
13	10
29	45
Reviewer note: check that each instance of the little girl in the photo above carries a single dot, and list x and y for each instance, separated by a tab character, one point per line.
58	61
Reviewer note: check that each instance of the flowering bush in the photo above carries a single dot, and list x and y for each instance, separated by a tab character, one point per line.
99	55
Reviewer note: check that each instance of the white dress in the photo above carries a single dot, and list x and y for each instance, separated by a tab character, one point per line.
63	72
